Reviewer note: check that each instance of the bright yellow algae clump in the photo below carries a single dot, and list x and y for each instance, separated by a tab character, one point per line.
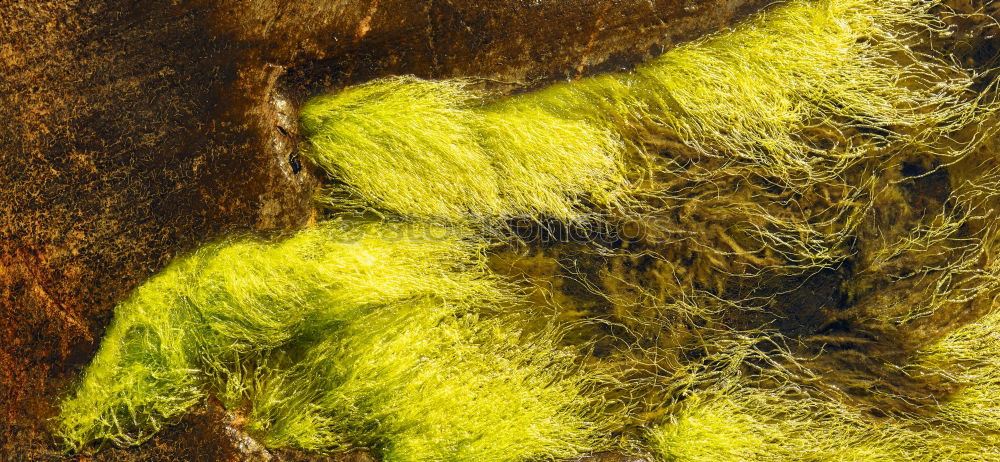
340	336
776	149
423	391
754	425
762	97
969	357
776	414
423	149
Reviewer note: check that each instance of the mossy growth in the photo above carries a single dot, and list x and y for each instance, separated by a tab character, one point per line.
345	335
779	413
746	161
797	153
795	175
758	98
420	148
747	424
969	357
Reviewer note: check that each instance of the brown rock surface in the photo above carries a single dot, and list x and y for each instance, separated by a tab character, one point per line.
134	130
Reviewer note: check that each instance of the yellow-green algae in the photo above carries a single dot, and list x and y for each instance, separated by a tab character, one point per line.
772	151
418	148
747	424
771	415
969	356
755	97
345	335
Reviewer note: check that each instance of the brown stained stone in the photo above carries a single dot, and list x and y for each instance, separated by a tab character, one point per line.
133	131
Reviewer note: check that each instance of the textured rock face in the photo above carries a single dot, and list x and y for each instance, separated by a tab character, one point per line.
133	131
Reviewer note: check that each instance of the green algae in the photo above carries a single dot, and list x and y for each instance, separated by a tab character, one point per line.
970	357
419	148
439	149
772	415
765	153
746	424
345	335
